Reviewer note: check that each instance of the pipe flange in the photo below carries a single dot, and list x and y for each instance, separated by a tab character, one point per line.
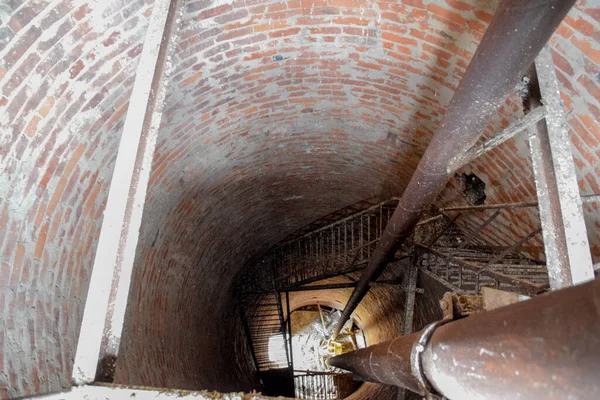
415	358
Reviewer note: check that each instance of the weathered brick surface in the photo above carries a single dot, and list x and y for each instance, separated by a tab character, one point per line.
61	89
277	113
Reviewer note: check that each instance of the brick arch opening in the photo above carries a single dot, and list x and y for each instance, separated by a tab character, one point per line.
277	113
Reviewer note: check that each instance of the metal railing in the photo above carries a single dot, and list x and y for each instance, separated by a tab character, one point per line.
264	324
317	385
467	272
455	255
342	246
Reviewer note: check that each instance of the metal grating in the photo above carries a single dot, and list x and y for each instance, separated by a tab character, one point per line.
266	331
312	385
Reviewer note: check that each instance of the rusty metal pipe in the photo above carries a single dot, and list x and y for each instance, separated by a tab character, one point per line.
544	348
387	363
515	36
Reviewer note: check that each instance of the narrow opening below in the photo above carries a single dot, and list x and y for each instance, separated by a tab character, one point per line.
311	330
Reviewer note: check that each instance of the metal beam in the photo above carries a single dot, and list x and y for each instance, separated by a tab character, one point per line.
353	268
282	327
585	199
565	236
506	134
527	287
409	307
104	312
544	348
512	248
343	286
524	204
289	329
515	36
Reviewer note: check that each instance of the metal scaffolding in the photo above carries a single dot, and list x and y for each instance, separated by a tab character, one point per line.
550	340
499	62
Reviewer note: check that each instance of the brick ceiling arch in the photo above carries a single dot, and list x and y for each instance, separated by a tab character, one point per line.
277	113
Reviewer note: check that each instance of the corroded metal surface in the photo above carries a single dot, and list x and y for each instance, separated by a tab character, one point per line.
388	362
509	132
544	348
515	36
585	199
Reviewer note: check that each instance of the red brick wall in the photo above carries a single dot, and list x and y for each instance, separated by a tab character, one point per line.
66	72
277	113
507	170
576	53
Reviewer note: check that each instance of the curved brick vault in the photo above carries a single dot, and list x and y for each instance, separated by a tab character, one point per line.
277	113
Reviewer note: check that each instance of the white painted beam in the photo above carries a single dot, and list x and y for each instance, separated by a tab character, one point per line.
111	275
563	227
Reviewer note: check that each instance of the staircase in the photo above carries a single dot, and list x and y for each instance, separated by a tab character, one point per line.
323	385
458	259
338	248
345	246
265	326
467	271
262	314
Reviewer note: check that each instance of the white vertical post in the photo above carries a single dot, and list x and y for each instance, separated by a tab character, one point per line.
104	311
565	236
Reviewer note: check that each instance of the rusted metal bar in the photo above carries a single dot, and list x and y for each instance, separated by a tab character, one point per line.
319	287
474	234
289	329
515	36
524	204
282	328
344	286
527	287
565	236
354	268
443	230
428	220
411	289
544	348
509	132
514	247
585	199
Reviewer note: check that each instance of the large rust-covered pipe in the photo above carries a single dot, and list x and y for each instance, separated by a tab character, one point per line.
517	33
544	348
